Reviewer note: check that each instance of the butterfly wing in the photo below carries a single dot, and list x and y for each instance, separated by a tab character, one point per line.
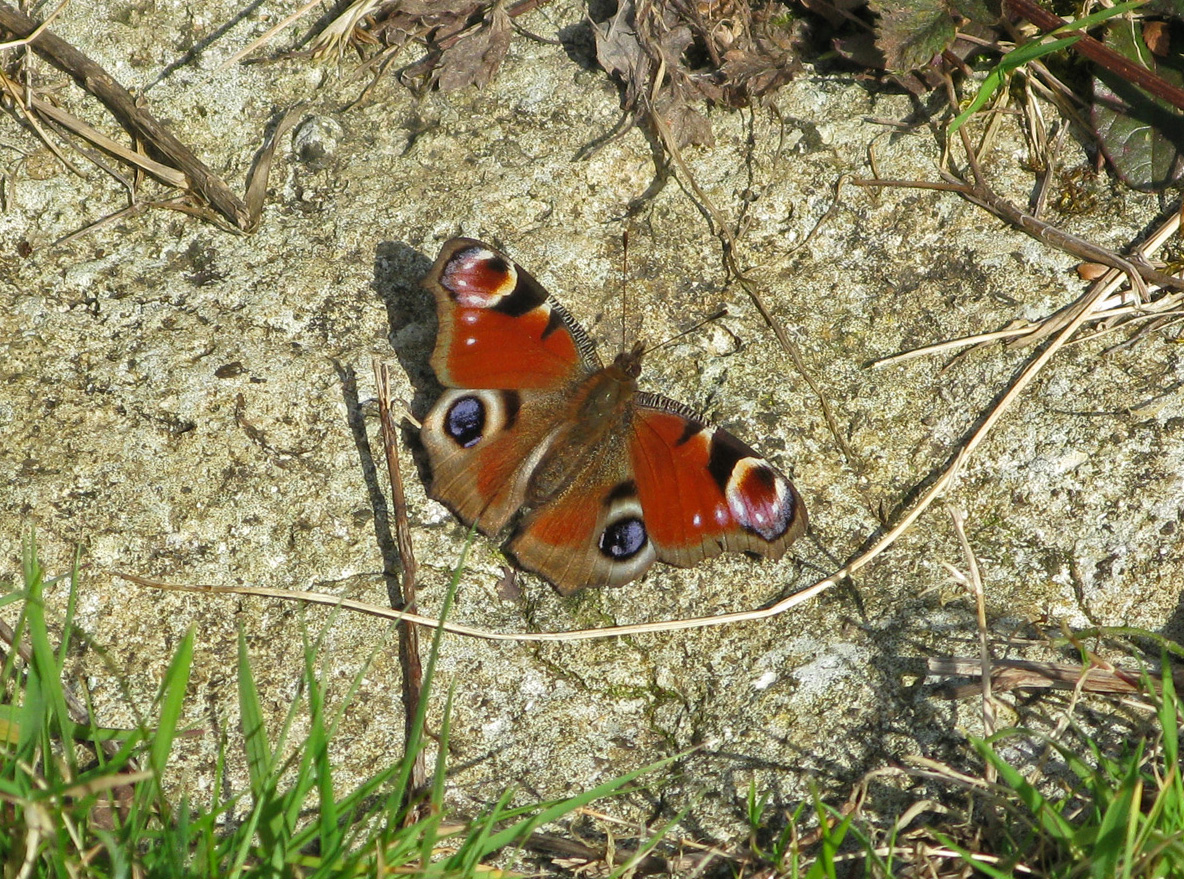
498	328
592	533
665	486
511	354
482	446
652	482
703	491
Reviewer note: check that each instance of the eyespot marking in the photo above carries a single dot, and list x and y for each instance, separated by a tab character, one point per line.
761	499
624	538
479	278
464	422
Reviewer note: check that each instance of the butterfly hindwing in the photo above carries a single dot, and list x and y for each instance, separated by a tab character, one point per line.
591	534
482	446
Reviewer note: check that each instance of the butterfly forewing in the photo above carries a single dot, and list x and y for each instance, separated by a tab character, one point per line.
704	491
497	326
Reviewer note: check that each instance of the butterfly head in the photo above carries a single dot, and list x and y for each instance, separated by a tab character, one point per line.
629	362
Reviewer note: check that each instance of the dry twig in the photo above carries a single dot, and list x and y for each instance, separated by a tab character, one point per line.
409	635
138	121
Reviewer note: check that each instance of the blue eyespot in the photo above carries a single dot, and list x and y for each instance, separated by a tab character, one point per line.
624	538
465	422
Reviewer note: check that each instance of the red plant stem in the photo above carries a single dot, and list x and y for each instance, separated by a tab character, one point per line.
1100	54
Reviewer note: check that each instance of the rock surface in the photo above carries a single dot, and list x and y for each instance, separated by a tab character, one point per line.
190	405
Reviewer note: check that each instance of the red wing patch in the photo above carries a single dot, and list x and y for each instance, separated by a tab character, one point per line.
483	348
704	491
497	327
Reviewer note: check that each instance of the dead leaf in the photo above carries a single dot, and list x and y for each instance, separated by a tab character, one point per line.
475	58
687	124
619	52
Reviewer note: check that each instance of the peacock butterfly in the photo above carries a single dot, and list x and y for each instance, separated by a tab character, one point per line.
598	479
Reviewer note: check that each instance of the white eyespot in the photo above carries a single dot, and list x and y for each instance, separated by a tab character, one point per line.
696	521
721	514
470	341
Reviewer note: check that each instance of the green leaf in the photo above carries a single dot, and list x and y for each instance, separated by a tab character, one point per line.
1044	811
254	727
171	700
911	32
1021	55
1141	136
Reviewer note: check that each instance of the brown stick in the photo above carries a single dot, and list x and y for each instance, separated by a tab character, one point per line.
139	123
409	634
1013	674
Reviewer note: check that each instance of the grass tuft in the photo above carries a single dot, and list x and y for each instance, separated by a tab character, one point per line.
78	800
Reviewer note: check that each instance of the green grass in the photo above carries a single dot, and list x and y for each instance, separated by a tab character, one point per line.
97	808
999	75
1119	815
59	815
1110	812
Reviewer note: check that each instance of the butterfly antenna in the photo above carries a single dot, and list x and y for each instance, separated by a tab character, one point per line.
723	312
624	284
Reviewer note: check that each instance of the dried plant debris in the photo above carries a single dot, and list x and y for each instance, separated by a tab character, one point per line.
1135	61
466	40
910	33
674	58
671	57
475	57
676	54
1142	136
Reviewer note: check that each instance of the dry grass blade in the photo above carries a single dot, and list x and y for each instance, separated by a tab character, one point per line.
975	581
1017	674
164	173
266	37
257	179
142	124
18	102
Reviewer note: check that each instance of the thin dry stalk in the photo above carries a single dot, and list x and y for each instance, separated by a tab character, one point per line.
24	41
724	231
1123	305
409	635
1020	674
268	35
19	103
975	582
162	172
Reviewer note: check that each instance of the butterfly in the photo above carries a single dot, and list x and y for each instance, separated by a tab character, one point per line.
597	479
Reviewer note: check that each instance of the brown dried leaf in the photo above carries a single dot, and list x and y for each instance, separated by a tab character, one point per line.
687	125
619	52
392	24
756	73
475	58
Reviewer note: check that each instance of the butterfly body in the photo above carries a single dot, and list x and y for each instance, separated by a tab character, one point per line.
598	478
